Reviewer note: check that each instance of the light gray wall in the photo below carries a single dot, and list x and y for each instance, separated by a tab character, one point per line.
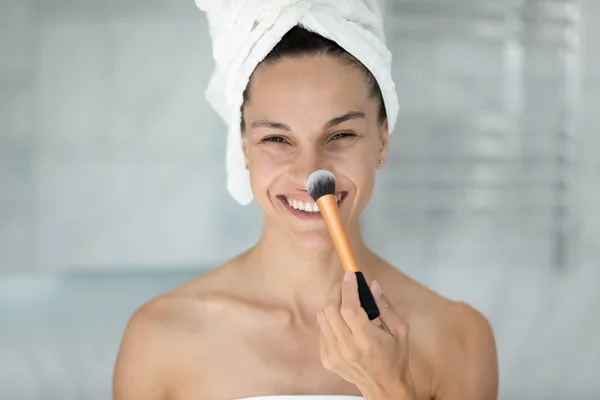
110	155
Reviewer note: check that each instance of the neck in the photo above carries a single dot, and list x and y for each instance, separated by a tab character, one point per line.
302	276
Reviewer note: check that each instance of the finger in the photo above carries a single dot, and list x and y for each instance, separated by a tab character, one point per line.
350	308
332	313
350	290
375	289
335	296
327	342
395	324
324	352
326	331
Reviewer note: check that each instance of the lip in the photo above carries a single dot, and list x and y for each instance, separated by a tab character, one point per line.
304	215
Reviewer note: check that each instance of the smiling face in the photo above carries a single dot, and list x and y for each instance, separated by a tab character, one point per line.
306	114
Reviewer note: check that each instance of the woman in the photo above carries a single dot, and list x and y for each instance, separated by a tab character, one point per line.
282	319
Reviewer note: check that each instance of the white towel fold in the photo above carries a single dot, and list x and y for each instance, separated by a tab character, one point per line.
243	32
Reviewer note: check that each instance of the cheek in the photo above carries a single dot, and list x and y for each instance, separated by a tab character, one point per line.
362	174
271	157
265	166
360	159
360	168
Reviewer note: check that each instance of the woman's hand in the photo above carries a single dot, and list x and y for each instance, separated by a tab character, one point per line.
373	355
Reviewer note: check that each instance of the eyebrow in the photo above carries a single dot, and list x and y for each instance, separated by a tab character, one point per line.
265	123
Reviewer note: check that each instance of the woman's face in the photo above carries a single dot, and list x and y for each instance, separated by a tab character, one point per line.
308	114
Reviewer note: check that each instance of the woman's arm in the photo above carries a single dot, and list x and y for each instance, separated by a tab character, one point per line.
142	366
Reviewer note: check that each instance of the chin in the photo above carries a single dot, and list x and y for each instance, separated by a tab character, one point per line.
315	241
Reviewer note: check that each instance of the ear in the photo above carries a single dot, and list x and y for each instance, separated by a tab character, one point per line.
384	141
245	149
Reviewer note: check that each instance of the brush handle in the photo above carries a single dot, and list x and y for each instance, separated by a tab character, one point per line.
367	302
328	207
329	210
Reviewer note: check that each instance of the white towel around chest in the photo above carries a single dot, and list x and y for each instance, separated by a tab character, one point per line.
306	397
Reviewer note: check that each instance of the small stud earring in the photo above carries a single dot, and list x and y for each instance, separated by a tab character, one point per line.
381	163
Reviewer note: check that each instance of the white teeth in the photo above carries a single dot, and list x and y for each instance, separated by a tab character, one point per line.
310	207
303	206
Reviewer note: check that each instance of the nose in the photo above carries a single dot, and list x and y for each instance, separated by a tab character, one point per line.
305	163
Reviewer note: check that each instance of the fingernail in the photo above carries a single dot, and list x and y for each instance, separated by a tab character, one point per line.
348	275
377	289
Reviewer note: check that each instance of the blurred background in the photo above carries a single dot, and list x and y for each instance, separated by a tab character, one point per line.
112	180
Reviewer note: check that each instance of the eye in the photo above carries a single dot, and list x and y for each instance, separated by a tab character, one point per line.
275	139
343	135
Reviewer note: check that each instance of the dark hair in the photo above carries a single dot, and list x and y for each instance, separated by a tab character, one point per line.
299	42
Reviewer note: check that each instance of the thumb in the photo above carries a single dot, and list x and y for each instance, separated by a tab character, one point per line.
390	318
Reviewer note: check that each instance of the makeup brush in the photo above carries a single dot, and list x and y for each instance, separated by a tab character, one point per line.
321	187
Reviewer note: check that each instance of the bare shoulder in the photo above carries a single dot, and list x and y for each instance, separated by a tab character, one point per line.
158	337
456	339
147	354
468	368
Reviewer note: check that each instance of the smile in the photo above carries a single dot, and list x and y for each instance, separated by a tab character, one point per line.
308	207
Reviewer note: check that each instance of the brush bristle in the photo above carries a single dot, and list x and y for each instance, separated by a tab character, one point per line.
320	183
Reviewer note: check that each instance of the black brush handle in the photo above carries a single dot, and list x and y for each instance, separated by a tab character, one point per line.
367	302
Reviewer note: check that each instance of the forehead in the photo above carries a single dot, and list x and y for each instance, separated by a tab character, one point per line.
315	84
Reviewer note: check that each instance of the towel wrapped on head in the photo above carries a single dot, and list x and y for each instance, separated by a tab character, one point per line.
243	32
